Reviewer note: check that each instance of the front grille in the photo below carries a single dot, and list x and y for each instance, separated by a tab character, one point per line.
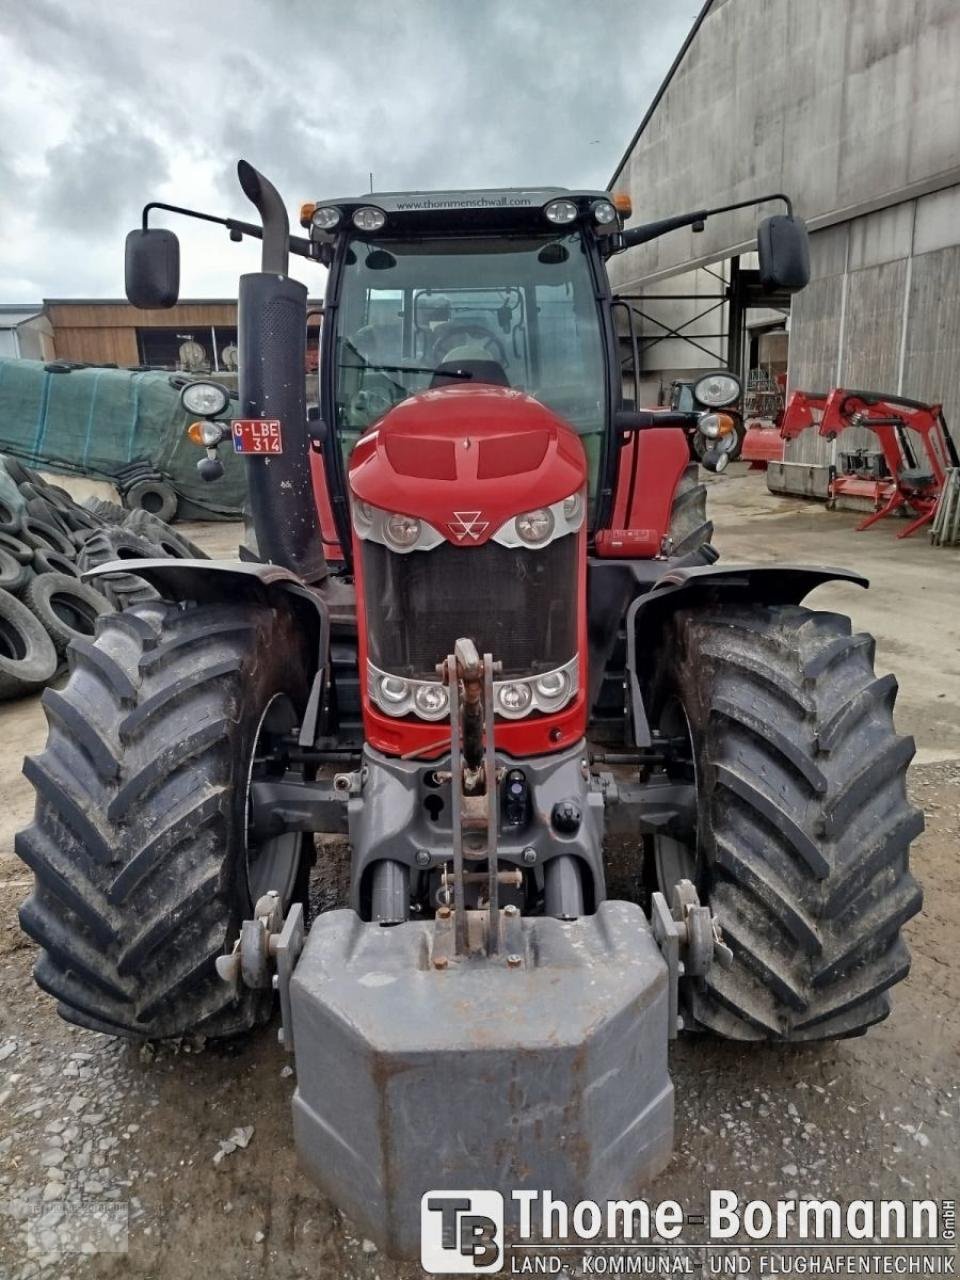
515	603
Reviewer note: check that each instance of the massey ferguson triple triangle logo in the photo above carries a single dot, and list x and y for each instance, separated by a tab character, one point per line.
468	525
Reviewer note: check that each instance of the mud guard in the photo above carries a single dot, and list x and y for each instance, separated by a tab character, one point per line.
773	584
208	581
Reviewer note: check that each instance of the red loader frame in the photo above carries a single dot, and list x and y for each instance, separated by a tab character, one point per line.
915	482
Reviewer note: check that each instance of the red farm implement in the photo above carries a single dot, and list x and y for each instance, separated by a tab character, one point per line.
916	450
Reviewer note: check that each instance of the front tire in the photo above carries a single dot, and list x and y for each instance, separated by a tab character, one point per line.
139	838
804	825
689	530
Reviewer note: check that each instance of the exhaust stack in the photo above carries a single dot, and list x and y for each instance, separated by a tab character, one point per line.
272	330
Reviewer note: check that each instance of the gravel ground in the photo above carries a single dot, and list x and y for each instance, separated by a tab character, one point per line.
161	1162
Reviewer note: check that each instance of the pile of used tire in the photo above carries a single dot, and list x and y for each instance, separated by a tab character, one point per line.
46	542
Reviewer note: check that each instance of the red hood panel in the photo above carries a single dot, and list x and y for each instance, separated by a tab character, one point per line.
491	451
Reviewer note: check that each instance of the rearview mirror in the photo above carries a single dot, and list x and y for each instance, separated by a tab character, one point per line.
152	268
784	251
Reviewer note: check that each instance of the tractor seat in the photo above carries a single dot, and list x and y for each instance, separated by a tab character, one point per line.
916	477
490	371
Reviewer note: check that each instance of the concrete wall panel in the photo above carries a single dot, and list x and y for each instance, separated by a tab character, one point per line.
873	328
814	325
884	236
938	220
828	251
932	348
848	105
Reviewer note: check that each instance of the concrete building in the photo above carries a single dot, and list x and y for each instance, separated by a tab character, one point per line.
852	107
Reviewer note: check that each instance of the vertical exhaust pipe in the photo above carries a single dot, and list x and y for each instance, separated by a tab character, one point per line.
272	329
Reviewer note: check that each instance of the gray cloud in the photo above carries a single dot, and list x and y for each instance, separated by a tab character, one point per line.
120	104
99	178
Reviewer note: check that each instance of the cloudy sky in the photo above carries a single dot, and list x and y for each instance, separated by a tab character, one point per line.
104	105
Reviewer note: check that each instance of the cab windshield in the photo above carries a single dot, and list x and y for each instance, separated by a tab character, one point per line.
518	311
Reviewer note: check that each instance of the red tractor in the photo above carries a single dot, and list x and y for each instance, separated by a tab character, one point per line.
479	629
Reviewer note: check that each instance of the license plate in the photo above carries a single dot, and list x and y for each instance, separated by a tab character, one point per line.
257	435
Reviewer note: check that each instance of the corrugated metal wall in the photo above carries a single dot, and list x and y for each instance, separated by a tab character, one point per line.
882	312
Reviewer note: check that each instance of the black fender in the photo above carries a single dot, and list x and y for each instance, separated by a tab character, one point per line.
703	585
208	581
211	580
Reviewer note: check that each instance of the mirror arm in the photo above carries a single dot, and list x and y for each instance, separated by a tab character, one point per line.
745	204
653	230
298	245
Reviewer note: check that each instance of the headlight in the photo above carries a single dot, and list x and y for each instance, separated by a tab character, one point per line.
535	527
369	218
561	212
401	531
394	689
555	684
205	399
604	213
362	513
572	508
514	698
717	389
326	217
431	700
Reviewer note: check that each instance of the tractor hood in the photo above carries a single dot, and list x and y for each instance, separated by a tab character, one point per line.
466	459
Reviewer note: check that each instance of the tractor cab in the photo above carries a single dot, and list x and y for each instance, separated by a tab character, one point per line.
494	287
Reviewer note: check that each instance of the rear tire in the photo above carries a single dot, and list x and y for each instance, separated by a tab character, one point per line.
139	838
804	825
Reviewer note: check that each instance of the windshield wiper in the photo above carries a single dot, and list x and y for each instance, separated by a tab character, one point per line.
405	368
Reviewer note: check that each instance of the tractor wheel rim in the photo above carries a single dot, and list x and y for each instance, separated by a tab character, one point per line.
271	864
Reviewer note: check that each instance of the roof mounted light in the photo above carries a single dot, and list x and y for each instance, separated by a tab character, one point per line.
369	219
561	212
326	217
604	213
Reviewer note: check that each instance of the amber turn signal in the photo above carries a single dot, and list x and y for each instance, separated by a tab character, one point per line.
206	434
622	203
306	213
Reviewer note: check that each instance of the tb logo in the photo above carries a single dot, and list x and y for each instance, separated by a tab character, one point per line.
461	1232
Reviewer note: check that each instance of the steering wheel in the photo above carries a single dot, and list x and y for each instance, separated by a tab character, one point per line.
375	398
458	333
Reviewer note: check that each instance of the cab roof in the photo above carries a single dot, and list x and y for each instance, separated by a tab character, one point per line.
520	208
